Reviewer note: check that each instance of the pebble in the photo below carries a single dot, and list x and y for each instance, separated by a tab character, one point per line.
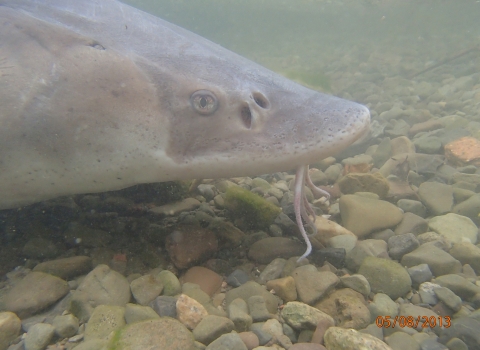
467	253
363	215
258	308
459	285
412	206
238	312
382	305
211	327
465	329
65	325
364	182
284	288
230	341
35	292
363	249
208	280
313	285
386	276
401	341
356	282
66	268
419	274
437	197
449	298
272	271
302	316
412	223
104	320
137	313
340	338
146	288
439	261
401	244
237	278
250	340
470	208
171	284
165	306
189	311
249	289
39	336
171	209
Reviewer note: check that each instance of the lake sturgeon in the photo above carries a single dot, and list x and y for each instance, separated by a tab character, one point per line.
96	95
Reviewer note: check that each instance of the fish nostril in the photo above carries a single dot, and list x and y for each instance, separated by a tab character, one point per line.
246	115
260	100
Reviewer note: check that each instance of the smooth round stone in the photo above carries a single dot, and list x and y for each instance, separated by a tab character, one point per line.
65	325
412	206
237	278
238	313
208	280
66	268
454	227
469	208
10	326
146	335
341	338
467	253
362	215
171	284
267	249
39	336
146	288
386	276
449	298
356	282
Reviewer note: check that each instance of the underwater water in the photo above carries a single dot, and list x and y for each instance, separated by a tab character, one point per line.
397	241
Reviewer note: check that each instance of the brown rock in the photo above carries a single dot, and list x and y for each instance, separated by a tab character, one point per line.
327	229
189	311
307	346
429	125
250	340
35	292
188	245
357	182
66	268
208	280
10	326
284	288
463	151
313	285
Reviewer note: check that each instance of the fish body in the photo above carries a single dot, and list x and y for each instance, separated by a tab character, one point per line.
96	95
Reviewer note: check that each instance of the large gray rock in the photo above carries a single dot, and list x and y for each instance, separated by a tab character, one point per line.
454	227
245	291
438	260
437	197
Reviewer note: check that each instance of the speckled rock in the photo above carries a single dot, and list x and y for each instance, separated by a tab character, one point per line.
10	326
337	338
386	276
302	316
454	227
363	215
399	245
145	335
189	311
104	320
267	249
439	261
347	307
35	292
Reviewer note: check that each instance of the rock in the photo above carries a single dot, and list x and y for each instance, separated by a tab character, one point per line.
356	282
238	313
249	289
439	261
449	298
463	151
363	215
346	242
104	320
301	316
93	344
171	284
386	276
65	325
137	313
420	273
40	248
211	327
411	223
399	245
313	285
428	144
237	278
464	328
272	271
208	280
412	206
10	326
66	268
39	336
173	209
165	306
35	292
363	249
469	208
347	307
337	338
367	182
284	288
146	335
189	311
102	286
258	308
382	305
146	288
250	339
189	245
307	346
467	253
427	293
418	313
230	341
267	249
459	285
401	340
326	231
454	227
437	197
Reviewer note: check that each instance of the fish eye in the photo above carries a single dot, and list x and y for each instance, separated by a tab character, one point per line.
204	102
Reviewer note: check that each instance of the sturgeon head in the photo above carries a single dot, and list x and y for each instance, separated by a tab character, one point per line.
97	95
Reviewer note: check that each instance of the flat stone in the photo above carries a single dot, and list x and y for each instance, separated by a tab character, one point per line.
326	231
267	249
137	313
171	284
439	261
189	311
437	197
104	320
411	223
237	278
469	208
208	280
258	308
420	273
459	285
362	215
146	288
412	206
363	249
145	335
401	340
382	305
464	328
284	288
65	325
66	268
454	227
356	282
211	327
230	341
35	292
312	285
386	276
449	298
272	271
238	313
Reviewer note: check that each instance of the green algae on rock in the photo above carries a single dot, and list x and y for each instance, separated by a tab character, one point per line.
256	211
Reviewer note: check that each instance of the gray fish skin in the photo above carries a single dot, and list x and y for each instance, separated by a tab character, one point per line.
97	96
